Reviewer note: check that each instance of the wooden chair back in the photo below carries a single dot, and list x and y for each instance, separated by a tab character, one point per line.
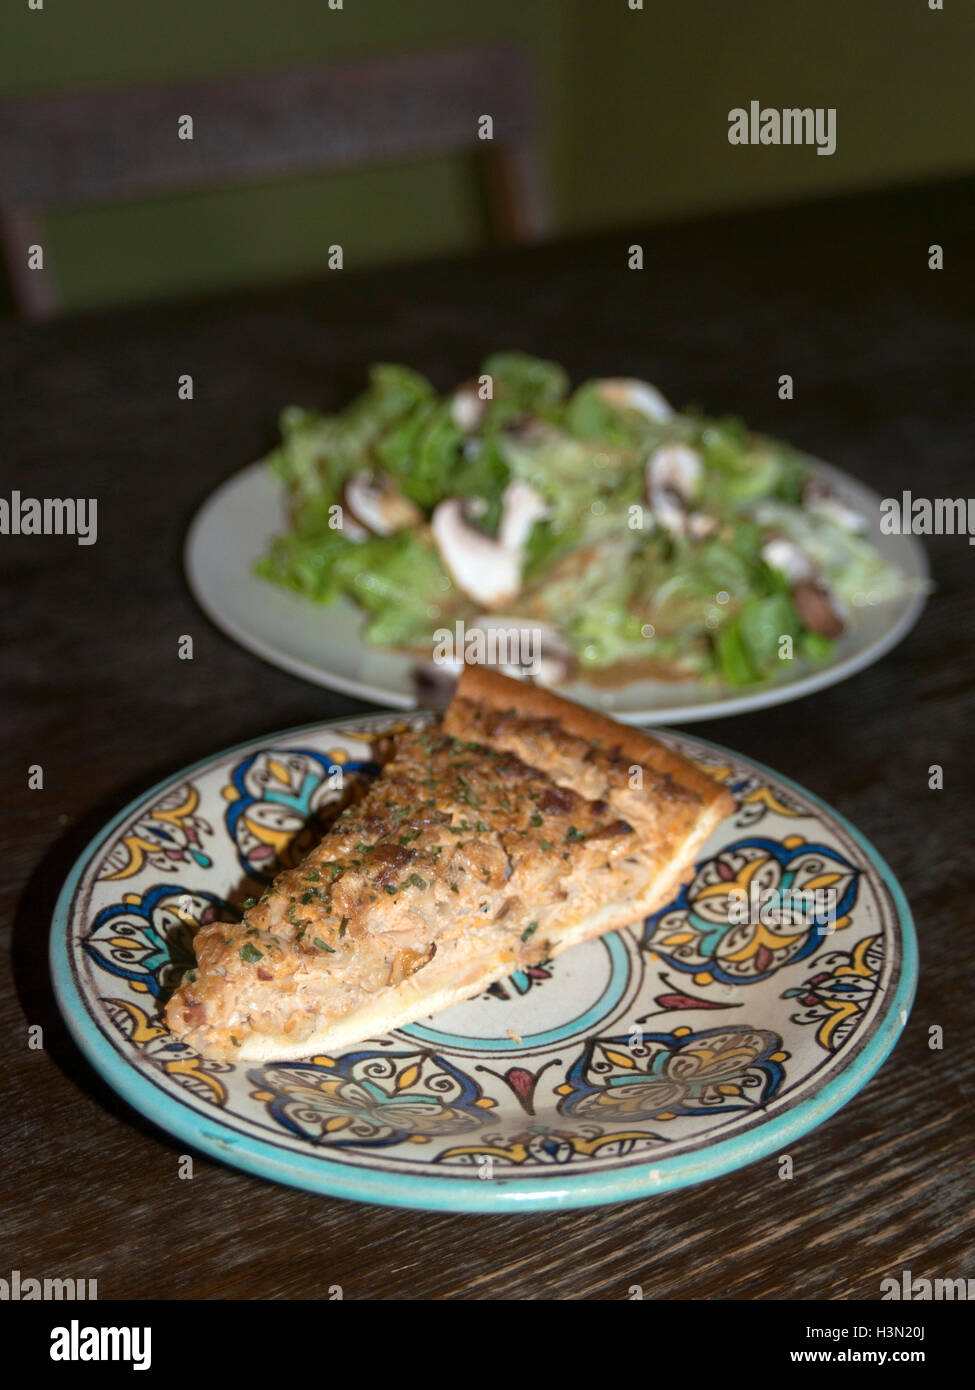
71	149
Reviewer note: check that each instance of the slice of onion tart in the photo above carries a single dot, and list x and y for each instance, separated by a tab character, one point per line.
520	826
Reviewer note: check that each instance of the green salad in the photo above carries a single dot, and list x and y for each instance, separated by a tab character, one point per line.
645	541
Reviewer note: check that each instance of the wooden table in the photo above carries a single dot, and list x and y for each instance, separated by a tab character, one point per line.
838	295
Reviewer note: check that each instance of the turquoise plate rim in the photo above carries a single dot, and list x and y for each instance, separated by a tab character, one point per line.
473	1195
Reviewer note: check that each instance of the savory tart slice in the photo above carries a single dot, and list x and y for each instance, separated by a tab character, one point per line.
520	826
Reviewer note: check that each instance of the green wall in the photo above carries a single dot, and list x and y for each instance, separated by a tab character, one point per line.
635	118
653	91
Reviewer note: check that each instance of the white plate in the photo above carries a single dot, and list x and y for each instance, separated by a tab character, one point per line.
235	525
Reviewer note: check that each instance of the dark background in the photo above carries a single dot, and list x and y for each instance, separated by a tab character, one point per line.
634	114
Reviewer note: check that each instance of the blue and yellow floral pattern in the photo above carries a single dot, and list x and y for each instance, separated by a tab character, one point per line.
703	933
147	939
838	995
552	1147
198	1075
170	834
277	797
659	1076
754	794
371	1098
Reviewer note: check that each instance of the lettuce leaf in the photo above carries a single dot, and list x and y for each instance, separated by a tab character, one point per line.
748	646
402	584
306	563
525	384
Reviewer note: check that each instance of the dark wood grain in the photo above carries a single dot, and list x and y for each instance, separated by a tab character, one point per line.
881	349
73	148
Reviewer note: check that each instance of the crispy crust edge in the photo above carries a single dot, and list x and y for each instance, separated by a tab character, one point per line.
484	686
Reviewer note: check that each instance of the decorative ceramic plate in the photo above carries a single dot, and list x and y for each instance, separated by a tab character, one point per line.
662	1055
235	526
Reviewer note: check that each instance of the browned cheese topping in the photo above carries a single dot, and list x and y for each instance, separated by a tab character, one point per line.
453	841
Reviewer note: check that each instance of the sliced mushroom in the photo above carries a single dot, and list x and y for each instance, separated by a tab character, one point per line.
676	467
521	506
525	647
673	476
788	559
815	609
377	504
627	393
478	564
351	528
488	570
467	407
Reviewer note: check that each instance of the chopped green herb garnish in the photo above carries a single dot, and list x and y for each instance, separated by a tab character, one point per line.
323	944
532	927
250	953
